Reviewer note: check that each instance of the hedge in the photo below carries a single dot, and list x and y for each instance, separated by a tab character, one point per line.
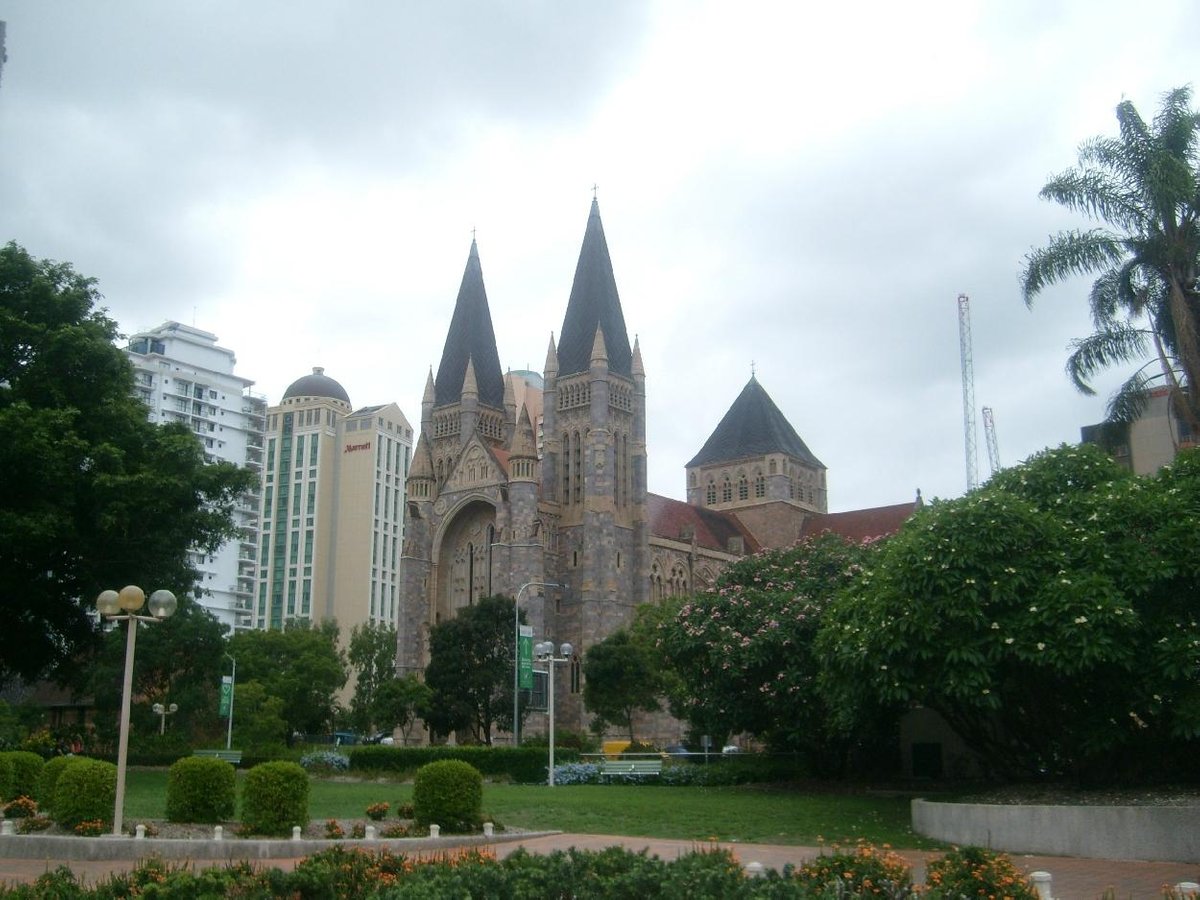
524	765
26	770
275	798
200	789
86	791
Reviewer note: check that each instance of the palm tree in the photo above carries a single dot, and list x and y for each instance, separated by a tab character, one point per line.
1145	187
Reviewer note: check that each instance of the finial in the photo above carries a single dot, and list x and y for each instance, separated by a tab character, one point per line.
472	234
595	188
753	370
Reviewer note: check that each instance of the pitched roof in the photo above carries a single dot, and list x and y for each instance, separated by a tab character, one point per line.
470	338
594	303
860	524
677	521
753	426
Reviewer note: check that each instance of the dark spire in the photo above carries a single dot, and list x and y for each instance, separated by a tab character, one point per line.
754	426
471	338
594	304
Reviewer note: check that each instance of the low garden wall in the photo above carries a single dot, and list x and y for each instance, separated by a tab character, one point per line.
1162	833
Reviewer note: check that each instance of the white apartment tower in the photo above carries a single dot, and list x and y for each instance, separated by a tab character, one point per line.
183	376
333	507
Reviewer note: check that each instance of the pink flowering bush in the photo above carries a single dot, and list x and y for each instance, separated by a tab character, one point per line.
743	651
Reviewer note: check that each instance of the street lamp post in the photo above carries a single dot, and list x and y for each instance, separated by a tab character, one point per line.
232	690
122	606
517	654
545	653
162	712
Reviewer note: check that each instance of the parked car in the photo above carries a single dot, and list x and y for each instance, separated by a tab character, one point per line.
676	750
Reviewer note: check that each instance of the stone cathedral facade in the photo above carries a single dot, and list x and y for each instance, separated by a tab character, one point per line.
500	497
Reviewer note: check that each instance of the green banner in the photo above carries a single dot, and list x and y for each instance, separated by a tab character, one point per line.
226	695
525	657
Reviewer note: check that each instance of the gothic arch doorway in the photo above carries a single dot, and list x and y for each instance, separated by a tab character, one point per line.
464	569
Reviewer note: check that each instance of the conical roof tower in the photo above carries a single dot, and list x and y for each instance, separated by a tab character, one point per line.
594	303
753	426
471	339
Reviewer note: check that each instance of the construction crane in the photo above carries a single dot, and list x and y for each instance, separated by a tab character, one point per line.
989	436
968	390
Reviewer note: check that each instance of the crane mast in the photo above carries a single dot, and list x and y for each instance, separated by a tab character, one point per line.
989	435
968	390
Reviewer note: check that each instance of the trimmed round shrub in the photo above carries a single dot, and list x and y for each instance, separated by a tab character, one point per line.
48	780
449	793
27	769
6	777
86	792
200	789
274	798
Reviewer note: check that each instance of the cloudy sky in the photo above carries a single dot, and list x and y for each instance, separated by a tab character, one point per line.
802	188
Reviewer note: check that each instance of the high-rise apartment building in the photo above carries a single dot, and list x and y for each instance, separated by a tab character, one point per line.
183	376
333	507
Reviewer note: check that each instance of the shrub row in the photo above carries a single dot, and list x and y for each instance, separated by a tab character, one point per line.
615	872
524	765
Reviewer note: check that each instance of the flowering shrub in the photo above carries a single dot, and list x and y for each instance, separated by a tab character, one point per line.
34	824
577	773
20	808
394	831
334	830
1065	576
91	828
358	831
325	761
404	811
378	811
743	650
976	872
864	871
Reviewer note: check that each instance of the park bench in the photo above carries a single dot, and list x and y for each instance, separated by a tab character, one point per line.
230	756
640	767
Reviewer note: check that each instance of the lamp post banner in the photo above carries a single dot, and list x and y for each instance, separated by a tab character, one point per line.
525	657
226	695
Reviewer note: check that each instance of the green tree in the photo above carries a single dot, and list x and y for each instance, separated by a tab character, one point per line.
621	677
372	657
95	495
300	665
1049	617
399	702
258	724
470	670
1144	185
743	652
178	660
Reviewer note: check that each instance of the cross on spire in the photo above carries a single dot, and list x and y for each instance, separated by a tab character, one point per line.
595	187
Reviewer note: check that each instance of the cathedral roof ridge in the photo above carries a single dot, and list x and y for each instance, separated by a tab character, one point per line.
594	303
753	426
470	338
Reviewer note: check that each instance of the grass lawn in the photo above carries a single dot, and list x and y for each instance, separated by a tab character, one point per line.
752	813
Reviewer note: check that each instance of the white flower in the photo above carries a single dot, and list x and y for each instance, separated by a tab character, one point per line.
1008	640
1041	646
1080	620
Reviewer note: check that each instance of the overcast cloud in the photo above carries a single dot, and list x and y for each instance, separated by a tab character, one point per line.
800	188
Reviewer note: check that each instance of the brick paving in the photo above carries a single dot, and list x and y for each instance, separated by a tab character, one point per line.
1074	879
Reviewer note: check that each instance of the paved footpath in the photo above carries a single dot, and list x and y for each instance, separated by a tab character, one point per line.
1074	879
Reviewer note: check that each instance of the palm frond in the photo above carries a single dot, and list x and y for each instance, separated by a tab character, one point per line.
1068	253
1095	194
1177	125
1105	298
1136	140
1118	343
1129	401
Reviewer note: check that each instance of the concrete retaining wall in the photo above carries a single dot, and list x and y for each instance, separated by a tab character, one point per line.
65	847
1164	833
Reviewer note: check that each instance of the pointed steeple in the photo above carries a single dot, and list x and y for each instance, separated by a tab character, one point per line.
599	351
636	366
551	358
429	394
470	338
753	426
422	460
470	385
523	445
594	304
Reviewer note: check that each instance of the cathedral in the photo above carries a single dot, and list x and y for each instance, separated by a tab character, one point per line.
535	486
